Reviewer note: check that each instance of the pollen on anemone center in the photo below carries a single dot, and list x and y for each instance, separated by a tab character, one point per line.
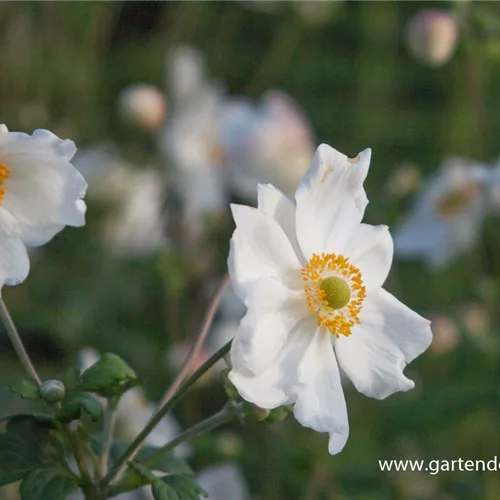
334	292
4	174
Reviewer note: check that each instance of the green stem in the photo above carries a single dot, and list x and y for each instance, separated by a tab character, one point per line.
107	434
87	483
15	338
220	418
137	442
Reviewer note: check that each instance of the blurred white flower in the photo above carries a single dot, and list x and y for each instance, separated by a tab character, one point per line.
269	142
135	225
40	193
143	105
191	139
432	36
447	215
223	482
311	276
403	181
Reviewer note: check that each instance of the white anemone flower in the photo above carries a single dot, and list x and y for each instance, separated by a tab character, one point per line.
311	276
40	193
448	214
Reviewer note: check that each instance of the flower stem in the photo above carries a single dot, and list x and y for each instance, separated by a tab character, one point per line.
107	434
133	448
191	358
86	481
195	349
15	338
220	418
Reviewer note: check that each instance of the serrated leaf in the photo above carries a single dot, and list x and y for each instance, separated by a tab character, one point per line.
82	401
26	388
27	445
163	491
45	484
185	486
109	377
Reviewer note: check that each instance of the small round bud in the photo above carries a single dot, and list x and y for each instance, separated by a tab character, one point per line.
52	391
142	105
432	36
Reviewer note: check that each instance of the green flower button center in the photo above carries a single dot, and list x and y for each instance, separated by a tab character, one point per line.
337	292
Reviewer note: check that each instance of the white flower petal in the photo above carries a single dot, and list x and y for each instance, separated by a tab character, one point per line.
44	191
274	387
273	311
320	401
331	201
14	262
390	336
64	148
259	247
274	203
371	250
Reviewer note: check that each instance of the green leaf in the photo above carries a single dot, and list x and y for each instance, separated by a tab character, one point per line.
26	388
46	484
82	401
185	487
162	491
142	471
167	462
28	444
109	377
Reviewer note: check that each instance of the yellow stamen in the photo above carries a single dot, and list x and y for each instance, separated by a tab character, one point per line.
334	292
4	174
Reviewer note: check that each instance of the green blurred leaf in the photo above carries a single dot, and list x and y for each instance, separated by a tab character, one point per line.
46	484
167	462
142	471
162	491
83	401
109	377
28	444
185	487
26	388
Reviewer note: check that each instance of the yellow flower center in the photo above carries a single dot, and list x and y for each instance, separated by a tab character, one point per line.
4	174
455	202
334	292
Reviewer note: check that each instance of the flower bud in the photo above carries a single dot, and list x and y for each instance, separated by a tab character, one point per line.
142	105
52	391
432	36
